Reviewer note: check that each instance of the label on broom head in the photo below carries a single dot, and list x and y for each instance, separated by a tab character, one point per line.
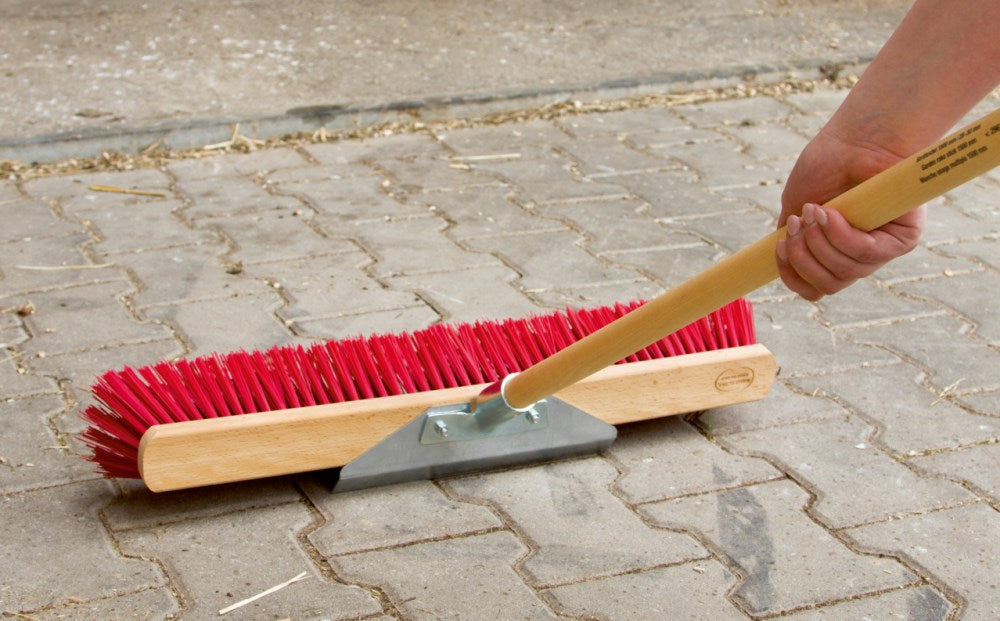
734	379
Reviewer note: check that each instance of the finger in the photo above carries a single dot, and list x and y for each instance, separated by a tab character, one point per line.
843	269
878	246
796	266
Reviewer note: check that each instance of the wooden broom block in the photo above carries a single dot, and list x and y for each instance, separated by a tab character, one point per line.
250	446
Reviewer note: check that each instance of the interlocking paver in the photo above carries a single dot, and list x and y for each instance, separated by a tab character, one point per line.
330	285
61	313
956	546
942	345
14	379
911	416
384	146
461	578
769	141
550	178
506	139
427	173
34	219
116	227
602	156
238	195
924	264
831	456
734	112
865	304
339	202
790	326
644	121
731	231
392	516
236	164
578	528
910	603
783	406
469	295
62	553
977	296
207	326
215	562
688	591
975	465
788	560
275	235
33	456
35	264
367	323
73	191
145	604
619	224
668	459
484	211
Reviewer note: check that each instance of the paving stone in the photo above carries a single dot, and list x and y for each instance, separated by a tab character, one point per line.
976	196
670	266
788	560
34	219
804	347
579	530
911	417
819	103
61	313
601	156
669	458
146	604
119	229
986	402
923	264
550	260
196	272
470	295
688	591
670	193
976	296
391	146
975	465
329	286
647	121
32	455
981	251
9	192
484	211
135	507
428	173
365	324
669	136
76	370
36	264
782	406
731	231
392	516
619	224
769	141
596	295
212	197
236	164
217	561
67	189
464	578
274	235
734	112
831	456
865	303
724	165
415	245
339	202
942	345
504	139
946	223
223	325
16	380
911	603
313	173
956	546
548	179
68	548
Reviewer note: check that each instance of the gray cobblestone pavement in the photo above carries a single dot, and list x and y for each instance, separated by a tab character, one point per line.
865	486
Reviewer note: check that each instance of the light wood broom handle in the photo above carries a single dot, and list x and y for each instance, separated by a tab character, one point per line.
950	162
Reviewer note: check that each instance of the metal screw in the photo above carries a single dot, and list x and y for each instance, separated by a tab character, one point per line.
441	428
533	416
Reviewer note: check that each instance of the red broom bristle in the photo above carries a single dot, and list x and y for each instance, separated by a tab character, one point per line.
440	356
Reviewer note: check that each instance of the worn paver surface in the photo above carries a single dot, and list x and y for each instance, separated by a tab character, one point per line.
865	486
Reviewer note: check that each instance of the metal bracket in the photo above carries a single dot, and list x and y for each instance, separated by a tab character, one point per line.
449	440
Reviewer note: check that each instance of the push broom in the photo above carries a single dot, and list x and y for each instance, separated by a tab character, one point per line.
453	399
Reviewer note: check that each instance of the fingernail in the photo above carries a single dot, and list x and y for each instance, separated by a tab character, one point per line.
821	216
808	213
794	226
781	251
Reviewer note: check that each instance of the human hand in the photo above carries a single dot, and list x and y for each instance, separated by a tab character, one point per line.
823	253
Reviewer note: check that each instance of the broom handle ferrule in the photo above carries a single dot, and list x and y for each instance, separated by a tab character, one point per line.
946	164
